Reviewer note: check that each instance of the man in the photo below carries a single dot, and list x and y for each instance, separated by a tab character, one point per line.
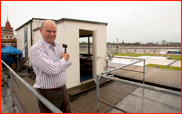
50	63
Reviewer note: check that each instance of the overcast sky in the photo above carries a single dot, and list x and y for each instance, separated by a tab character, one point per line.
133	21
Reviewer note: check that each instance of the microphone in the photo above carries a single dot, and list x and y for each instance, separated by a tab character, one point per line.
65	46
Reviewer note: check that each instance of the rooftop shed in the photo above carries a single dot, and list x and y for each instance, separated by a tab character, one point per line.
70	31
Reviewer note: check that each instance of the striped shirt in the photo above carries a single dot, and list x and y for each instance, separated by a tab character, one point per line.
48	65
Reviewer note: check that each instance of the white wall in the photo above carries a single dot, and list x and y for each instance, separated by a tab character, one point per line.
68	33
70	36
37	36
36	23
20	38
100	38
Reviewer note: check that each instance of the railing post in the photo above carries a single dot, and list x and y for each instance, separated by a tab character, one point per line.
144	71
97	91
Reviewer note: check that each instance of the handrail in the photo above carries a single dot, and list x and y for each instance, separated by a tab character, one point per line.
47	103
101	75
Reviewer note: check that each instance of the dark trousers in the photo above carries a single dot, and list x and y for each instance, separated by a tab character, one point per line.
58	97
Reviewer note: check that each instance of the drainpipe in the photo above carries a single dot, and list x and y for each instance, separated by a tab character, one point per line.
31	32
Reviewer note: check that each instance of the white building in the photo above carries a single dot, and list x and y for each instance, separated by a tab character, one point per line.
69	31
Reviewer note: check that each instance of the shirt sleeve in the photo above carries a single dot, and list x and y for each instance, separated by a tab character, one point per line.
39	58
68	62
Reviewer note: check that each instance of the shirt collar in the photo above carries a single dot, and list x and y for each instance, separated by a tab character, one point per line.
47	44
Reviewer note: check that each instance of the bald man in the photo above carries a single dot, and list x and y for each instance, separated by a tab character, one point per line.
50	63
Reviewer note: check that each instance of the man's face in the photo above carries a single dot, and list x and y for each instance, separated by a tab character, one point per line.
48	31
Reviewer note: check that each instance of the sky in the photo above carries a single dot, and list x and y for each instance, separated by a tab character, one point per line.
131	21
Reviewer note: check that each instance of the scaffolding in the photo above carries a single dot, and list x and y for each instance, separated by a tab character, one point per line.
143	85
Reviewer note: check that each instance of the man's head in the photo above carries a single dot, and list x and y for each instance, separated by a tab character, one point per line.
48	31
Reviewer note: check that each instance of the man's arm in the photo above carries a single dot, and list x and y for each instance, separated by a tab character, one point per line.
39	58
67	58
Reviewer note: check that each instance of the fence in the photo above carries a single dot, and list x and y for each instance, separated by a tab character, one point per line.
101	75
39	96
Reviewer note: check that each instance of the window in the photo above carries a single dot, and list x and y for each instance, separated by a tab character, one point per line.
10	36
6	36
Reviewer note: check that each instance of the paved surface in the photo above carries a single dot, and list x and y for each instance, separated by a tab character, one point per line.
112	94
149	101
85	87
166	77
28	100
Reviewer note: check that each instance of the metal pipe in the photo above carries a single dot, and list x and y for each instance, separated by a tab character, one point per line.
22	50
11	84
120	67
128	70
129	58
113	106
97	91
47	103
144	72
132	70
143	85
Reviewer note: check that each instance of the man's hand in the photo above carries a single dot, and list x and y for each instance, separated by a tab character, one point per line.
65	56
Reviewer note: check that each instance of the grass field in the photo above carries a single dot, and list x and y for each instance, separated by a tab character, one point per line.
164	67
174	57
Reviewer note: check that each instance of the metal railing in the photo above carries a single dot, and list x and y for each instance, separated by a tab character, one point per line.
139	60
101	75
47	103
